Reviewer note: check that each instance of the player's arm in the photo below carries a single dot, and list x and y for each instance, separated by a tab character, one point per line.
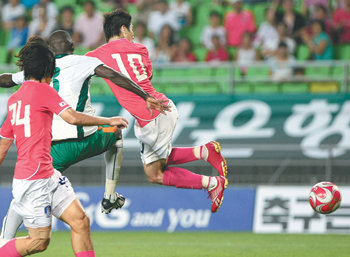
6	80
77	118
122	81
4	148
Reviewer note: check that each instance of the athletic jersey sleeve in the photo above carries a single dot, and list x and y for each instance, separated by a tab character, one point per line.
6	130
52	101
90	63
18	78
147	62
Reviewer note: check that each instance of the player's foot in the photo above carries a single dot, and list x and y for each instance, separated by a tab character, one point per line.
216	194
214	157
114	201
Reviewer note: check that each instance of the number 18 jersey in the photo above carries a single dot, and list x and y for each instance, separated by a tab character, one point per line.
133	61
29	121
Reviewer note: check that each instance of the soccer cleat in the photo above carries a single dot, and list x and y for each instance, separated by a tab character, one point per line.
114	201
213	156
216	194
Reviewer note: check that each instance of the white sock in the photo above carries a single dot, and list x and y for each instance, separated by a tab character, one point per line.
212	183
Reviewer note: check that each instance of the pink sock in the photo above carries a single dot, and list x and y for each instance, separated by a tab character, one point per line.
182	178
9	249
180	155
85	254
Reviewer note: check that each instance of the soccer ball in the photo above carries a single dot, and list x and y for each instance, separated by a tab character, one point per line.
325	197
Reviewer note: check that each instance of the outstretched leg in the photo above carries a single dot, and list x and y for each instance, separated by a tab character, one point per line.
209	152
157	172
113	160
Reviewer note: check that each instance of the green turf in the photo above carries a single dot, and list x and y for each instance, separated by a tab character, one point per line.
161	244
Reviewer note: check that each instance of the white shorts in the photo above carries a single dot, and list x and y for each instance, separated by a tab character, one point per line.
155	138
37	200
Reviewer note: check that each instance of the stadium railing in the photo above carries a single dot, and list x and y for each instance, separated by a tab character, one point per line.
226	78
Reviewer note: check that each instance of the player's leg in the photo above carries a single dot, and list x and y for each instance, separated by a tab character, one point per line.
10	224
37	241
105	140
79	223
67	207
210	152
156	148
113	160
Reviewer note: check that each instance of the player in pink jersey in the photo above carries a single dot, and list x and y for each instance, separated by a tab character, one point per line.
39	191
155	131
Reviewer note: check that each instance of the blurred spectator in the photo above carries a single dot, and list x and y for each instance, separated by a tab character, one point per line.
282	30
184	52
166	47
10	12
67	19
214	29
142	38
308	7
341	20
144	8
295	21
246	54
161	16
267	37
319	44
29	4
183	12
237	22
282	63
88	28
43	19
218	53
18	36
321	13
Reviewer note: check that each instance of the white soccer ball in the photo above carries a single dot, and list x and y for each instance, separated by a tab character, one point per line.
325	197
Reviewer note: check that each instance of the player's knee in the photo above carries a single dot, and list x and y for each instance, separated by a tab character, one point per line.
155	178
119	136
81	224
38	245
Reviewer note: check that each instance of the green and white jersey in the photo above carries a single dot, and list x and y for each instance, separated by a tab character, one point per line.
72	82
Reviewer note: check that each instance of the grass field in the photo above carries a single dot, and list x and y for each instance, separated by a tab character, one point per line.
206	244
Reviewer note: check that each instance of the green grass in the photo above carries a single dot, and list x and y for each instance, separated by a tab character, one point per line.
206	244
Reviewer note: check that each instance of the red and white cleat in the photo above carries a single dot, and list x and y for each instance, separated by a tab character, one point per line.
213	156
217	193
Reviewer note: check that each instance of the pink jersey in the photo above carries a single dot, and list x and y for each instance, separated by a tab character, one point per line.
29	121
133	61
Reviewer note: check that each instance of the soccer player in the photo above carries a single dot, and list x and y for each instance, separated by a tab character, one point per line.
39	191
155	131
71	80
71	76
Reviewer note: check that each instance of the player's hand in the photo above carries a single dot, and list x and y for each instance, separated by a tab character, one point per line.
120	122
156	104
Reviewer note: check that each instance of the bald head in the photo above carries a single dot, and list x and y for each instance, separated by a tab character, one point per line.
61	42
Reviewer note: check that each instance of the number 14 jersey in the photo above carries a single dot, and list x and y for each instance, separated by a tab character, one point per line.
133	61
29	121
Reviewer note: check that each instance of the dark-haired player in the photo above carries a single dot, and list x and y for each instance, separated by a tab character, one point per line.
39	191
155	131
72	144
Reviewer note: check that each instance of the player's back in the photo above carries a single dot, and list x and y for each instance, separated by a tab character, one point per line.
29	121
72	82
132	60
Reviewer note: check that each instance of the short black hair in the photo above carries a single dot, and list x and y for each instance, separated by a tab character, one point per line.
320	22
90	2
67	8
114	21
215	13
37	61
282	44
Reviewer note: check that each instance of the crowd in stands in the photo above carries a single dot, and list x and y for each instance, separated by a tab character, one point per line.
318	24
